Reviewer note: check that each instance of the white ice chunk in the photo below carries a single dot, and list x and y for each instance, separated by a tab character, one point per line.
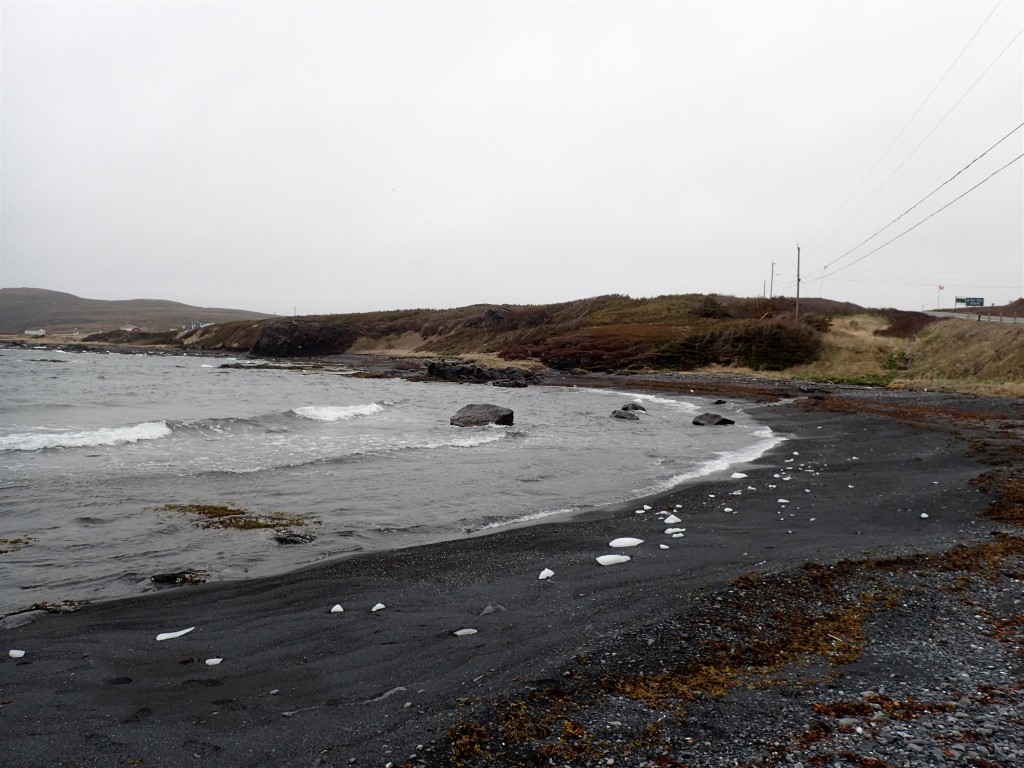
213	662
672	519
727	509
547	573
15	654
924	515
783	501
647	507
625	542
663	546
678	535
464	632
337	609
674	530
172	635
737	475
613	559
377	607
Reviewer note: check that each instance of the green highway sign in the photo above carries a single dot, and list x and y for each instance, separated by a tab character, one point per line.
970	301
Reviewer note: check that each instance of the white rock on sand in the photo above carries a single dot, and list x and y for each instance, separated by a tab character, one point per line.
172	635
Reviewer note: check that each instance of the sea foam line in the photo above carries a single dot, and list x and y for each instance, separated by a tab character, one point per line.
92	438
642	398
725	459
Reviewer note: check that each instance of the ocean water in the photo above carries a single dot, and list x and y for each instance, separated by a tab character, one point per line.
93	447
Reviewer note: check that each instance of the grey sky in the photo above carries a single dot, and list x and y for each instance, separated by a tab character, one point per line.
344	156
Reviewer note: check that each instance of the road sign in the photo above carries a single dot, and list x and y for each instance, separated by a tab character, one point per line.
970	301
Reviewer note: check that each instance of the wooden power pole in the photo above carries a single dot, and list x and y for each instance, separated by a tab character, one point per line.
798	284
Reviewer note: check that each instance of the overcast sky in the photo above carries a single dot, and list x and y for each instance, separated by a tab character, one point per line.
349	156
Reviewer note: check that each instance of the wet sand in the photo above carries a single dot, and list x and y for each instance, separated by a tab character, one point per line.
301	686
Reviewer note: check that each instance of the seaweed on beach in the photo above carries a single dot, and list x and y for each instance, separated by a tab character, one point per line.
221	516
795	629
13	545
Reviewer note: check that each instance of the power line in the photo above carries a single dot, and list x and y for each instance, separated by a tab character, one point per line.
922	142
911	229
880	231
907	124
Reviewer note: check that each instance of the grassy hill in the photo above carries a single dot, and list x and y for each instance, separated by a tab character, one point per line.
57	312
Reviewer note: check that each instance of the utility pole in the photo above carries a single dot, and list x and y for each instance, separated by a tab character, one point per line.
798	283
771	282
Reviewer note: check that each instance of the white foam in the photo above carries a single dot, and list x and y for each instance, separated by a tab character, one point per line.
724	460
527	518
640	398
92	438
336	412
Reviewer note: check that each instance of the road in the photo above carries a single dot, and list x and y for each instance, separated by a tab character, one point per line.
978	316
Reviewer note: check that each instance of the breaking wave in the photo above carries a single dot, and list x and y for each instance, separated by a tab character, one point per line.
90	438
336	412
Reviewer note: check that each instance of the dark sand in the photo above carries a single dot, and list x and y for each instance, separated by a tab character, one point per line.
300	686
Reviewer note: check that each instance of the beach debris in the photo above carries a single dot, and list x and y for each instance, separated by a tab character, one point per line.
924	515
675	530
213	662
737	475
491	608
188	576
291	537
613	559
172	635
377	607
547	573
672	519
712	420
464	632
663	546
15	653
337	609
625	542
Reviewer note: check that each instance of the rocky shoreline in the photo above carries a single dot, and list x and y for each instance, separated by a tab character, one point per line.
874	619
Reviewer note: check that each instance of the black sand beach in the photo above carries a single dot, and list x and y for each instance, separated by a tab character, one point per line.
553	673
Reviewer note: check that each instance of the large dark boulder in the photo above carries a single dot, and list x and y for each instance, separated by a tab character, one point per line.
624	414
634	406
456	370
301	338
712	420
481	414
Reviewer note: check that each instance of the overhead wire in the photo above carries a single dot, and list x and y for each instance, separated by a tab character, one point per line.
907	124
930	133
935	213
915	205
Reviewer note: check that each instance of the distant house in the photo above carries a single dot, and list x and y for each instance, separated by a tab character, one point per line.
193	326
36	333
131	328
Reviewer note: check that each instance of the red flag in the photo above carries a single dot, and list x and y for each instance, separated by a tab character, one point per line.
942	287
